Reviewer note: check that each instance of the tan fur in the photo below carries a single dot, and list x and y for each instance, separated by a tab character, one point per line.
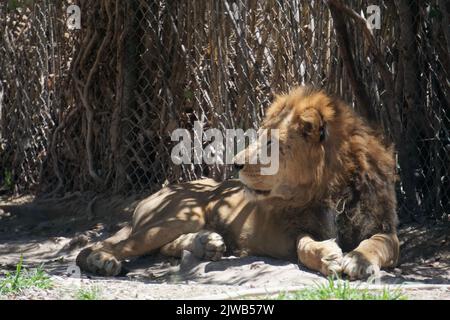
333	193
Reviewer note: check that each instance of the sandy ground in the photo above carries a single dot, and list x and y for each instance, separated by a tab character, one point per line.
53	233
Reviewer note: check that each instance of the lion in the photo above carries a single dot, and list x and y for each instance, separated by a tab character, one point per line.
331	206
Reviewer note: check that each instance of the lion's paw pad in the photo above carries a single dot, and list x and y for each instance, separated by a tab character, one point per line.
209	246
356	266
103	263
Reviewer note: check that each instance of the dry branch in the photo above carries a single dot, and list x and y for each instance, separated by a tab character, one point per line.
359	89
380	61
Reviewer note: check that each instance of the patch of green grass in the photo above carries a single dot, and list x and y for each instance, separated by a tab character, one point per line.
8	180
341	290
91	293
22	278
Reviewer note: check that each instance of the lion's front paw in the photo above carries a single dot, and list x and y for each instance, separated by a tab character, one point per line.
331	258
357	266
209	246
103	263
332	264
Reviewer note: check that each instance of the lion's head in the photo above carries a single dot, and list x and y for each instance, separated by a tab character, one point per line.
306	130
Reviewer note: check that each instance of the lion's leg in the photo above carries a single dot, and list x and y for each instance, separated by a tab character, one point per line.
323	256
204	244
379	251
105	245
105	258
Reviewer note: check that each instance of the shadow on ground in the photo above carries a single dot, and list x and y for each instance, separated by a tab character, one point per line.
52	233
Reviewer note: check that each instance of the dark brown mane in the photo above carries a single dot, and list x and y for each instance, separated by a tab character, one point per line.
357	174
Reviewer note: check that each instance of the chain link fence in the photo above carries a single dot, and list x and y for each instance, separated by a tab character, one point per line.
94	108
34	60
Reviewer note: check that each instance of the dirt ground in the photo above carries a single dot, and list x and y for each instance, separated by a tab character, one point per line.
53	232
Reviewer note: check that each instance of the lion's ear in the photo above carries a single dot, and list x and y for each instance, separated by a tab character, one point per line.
306	128
309	129
312	125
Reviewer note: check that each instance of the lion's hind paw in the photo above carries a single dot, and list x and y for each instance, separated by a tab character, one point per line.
209	246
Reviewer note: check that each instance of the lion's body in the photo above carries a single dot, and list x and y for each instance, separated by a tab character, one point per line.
245	225
341	187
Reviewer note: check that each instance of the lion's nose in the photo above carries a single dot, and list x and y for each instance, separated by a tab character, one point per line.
238	166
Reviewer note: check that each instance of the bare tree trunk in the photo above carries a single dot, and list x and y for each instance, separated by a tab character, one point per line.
125	85
444	6
359	90
392	114
408	151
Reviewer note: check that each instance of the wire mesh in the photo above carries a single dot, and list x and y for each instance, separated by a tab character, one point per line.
93	109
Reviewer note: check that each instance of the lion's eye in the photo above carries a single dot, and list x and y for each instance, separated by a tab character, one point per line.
322	133
269	143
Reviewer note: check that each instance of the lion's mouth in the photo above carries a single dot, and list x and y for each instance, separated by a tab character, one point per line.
258	191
